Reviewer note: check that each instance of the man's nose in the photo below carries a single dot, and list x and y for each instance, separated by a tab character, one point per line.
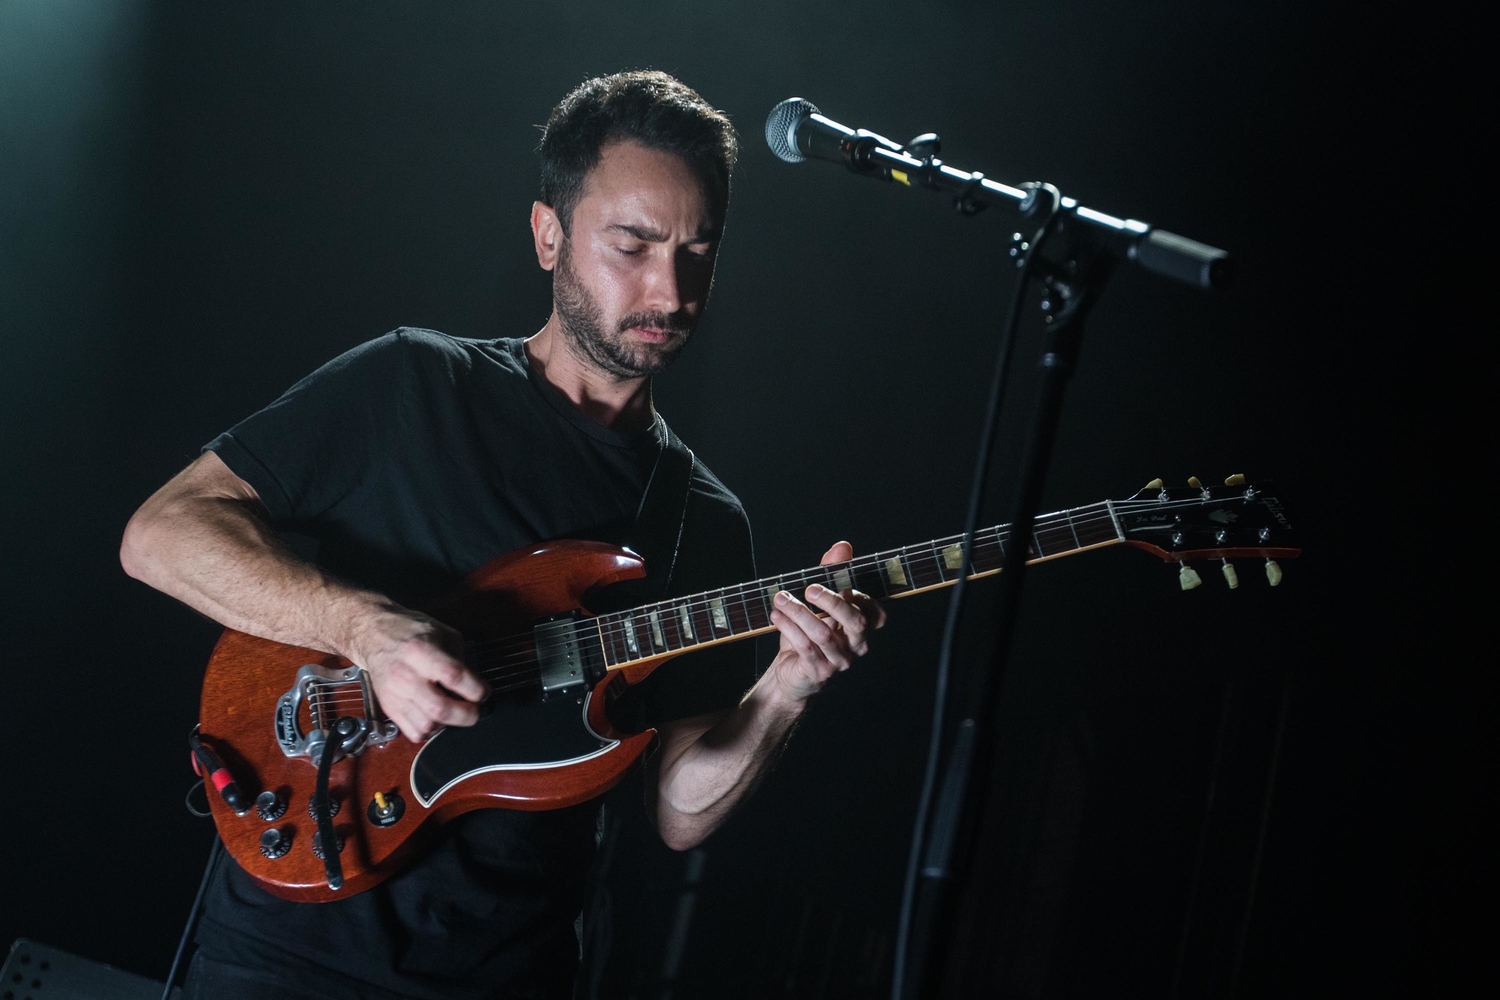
664	285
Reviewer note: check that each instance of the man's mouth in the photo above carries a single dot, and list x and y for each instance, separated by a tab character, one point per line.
652	334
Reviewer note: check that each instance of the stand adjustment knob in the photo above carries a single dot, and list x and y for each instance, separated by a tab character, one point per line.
269	806
275	842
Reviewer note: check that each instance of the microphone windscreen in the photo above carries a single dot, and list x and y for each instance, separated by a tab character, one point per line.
781	127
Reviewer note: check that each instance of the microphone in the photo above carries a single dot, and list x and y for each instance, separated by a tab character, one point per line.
797	131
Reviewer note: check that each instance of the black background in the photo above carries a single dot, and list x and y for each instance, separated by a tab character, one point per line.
201	203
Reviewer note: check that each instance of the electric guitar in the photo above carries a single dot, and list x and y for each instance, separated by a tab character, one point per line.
295	741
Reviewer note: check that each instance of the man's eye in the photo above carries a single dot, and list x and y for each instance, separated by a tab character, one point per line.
630	251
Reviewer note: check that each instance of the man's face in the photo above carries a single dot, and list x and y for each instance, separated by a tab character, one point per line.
633	274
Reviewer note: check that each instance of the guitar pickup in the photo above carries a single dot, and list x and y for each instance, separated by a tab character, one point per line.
570	657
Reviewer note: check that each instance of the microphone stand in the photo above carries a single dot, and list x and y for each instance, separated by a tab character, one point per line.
935	944
940	953
935	948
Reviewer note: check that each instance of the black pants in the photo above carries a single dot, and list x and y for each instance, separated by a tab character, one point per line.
210	979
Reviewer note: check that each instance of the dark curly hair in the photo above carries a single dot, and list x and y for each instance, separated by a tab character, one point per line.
652	108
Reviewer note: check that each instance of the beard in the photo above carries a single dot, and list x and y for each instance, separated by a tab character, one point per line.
609	351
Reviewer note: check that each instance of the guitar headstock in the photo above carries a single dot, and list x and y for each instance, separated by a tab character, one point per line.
1239	520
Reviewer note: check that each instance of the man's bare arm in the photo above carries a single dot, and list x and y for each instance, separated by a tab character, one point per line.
707	765
203	539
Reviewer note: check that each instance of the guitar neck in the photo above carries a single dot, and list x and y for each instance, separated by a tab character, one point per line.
744	610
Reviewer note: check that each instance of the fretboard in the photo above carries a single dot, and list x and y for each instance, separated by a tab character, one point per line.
743	610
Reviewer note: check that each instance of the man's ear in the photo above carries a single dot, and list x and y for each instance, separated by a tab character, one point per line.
546	232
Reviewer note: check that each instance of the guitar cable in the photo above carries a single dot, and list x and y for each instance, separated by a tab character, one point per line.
922	839
215	852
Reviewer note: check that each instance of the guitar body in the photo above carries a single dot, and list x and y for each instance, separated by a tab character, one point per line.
526	751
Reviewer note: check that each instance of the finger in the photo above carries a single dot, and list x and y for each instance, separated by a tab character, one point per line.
794	636
839	552
839	608
451	674
832	644
439	708
399	713
872	609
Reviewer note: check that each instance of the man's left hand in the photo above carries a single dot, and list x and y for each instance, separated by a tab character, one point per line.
813	649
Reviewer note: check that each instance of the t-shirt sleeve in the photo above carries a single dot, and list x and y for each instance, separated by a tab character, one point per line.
317	443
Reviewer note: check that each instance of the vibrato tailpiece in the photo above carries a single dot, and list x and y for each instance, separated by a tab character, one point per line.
329	694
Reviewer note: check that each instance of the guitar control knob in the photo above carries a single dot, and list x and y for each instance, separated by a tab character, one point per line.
333	807
275	842
317	844
269	806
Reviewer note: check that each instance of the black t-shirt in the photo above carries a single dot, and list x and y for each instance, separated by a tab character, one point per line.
412	460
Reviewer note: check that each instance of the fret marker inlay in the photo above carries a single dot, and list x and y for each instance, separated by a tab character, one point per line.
953	556
630	642
720	619
687	622
656	633
894	573
842	581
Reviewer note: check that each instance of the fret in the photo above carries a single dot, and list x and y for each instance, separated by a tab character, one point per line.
922	573
938	565
1073	528
1057	535
1034	551
671	626
1109	505
609	640
739	608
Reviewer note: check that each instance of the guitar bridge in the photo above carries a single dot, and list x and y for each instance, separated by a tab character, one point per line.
326	694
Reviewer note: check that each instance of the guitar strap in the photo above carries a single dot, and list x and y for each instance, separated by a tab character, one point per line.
657	531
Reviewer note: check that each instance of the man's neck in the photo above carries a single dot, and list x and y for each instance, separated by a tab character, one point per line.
620	405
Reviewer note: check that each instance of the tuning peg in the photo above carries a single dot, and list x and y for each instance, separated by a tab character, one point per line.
1235	480
1188	578
1194	483
1155	484
1273	573
1230	576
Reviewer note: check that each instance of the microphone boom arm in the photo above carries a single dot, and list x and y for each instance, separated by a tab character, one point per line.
809	133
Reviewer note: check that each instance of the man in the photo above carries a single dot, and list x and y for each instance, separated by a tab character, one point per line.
417	457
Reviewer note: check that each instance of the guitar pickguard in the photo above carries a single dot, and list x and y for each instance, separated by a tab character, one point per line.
512	734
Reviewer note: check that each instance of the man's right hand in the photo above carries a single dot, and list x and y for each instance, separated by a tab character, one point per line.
204	539
416	666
